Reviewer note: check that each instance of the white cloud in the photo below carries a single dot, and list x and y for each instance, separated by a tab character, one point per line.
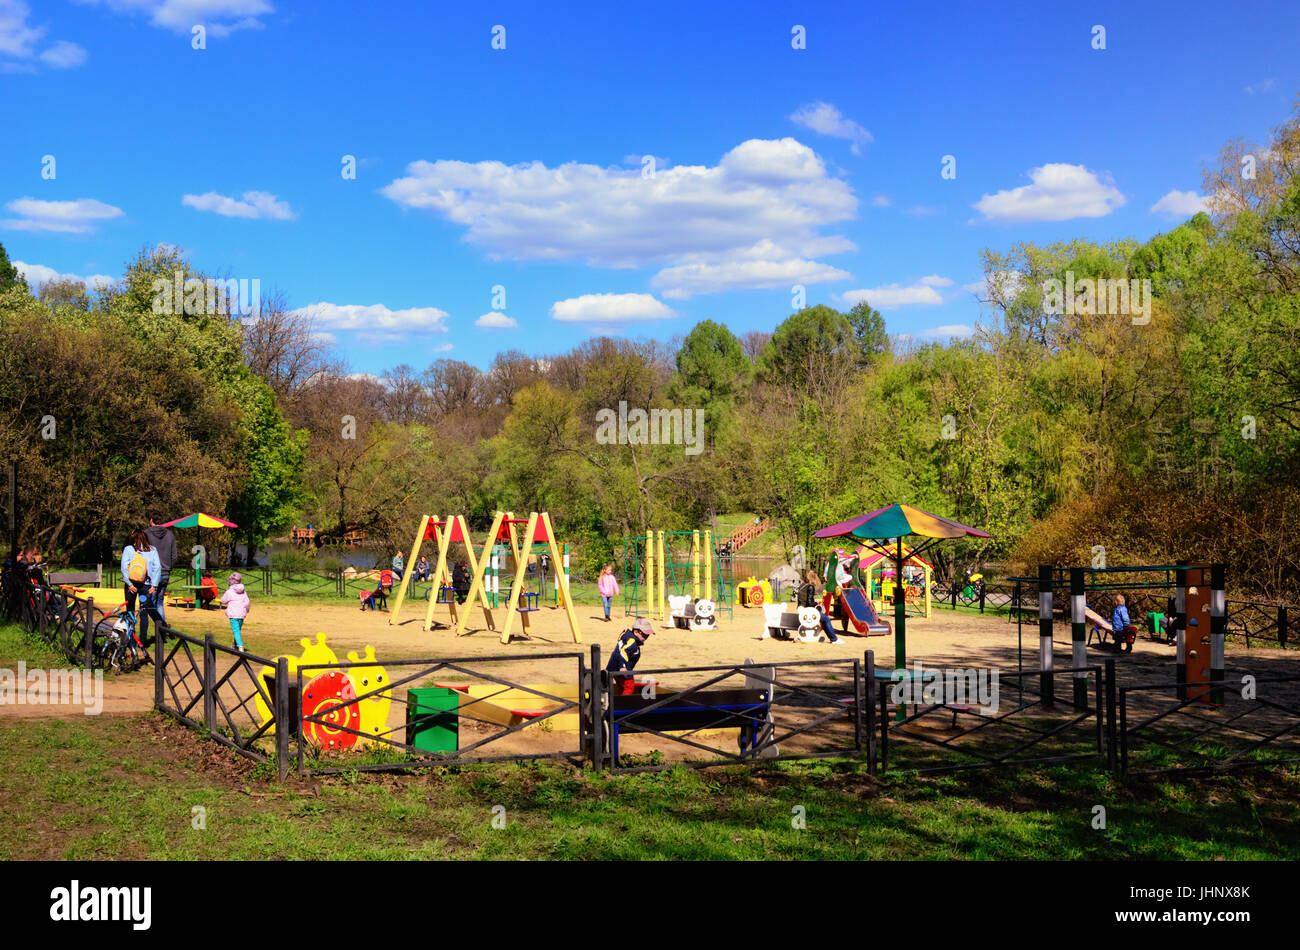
1181	204
495	318
687	280
37	275
610	308
19	41
220	17
1267	85
948	331
880	201
892	296
63	55
824	118
764	200
376	318
62	217
1059	192
259	205
661	162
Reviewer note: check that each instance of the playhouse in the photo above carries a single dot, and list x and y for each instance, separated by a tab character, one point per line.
879	572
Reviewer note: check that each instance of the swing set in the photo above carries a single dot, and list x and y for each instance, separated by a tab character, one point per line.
537	531
660	563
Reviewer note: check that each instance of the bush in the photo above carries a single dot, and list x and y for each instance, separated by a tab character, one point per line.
293	562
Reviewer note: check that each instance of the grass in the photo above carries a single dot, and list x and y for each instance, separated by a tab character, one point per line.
144	787
128	787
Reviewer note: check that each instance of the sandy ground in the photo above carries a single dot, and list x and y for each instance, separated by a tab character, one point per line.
946	638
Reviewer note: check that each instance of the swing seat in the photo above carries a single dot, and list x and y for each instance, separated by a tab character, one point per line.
446	595
528	602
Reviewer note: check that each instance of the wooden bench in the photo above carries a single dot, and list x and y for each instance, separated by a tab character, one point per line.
750	710
93	578
781	621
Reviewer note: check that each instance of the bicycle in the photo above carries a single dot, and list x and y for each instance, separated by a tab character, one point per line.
118	651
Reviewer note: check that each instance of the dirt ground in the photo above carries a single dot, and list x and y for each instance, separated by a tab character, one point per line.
945	639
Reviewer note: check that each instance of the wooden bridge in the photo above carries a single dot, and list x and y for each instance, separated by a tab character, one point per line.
744	534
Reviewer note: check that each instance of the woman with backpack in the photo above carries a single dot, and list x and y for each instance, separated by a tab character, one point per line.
141	572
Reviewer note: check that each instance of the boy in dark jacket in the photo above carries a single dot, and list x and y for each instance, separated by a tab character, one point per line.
627	651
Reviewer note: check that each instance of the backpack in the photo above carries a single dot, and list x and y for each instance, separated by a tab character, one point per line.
138	569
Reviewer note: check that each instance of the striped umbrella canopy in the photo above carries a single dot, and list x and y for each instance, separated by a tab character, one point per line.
884	530
198	521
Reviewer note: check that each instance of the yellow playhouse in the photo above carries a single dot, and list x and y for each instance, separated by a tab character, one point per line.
878	570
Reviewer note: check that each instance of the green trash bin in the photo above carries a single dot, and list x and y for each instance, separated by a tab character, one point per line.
432	723
1154	620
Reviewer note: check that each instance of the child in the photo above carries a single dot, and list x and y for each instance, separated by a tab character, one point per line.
207	589
627	651
238	605
607	587
1119	619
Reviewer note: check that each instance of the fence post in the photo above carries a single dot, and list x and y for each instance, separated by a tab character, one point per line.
1078	637
43	599
1281	625
983	590
597	708
869	700
90	632
1046	682
1218	628
882	692
158	650
209	683
283	716
1123	732
1110	715
952	592
1180	631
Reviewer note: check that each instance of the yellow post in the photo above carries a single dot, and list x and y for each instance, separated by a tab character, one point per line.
521	569
476	568
695	565
662	604
650	573
708	565
406	575
444	547
561	581
928	581
476	588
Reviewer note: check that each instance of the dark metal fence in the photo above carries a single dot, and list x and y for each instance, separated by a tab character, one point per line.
740	713
1252	723
483	726
962	732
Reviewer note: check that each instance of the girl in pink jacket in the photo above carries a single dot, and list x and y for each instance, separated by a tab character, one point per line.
607	587
238	605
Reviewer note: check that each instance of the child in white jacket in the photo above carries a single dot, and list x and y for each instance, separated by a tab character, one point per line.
238	605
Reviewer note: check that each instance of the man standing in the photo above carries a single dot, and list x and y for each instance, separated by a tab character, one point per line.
164	542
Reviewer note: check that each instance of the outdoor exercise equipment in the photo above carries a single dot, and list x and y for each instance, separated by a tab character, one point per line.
660	563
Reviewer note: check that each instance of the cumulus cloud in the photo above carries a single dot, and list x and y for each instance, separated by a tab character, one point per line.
376	318
19	42
60	217
495	318
63	55
1180	204
687	280
258	205
37	275
1057	192
220	17
610	308
948	331
765	200
892	296
825	119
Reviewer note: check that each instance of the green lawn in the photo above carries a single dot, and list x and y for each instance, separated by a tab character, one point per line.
126	787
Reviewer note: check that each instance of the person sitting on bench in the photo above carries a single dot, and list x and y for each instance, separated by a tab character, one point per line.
627	651
207	592
810	596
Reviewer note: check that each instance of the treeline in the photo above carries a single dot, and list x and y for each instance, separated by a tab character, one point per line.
1168	430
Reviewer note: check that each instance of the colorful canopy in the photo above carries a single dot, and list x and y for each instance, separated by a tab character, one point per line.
200	520
894	521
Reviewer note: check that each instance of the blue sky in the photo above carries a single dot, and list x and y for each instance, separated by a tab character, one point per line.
524	167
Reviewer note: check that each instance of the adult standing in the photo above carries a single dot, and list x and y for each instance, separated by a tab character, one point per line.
162	540
141	570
